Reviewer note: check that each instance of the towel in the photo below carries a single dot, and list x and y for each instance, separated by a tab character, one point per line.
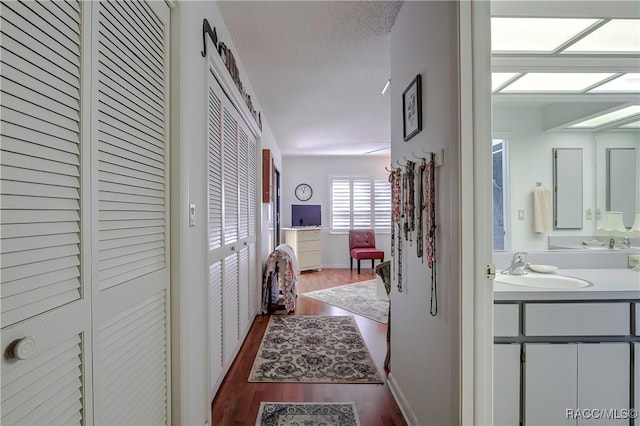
542	205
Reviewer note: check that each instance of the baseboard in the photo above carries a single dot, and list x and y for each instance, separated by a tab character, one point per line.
403	404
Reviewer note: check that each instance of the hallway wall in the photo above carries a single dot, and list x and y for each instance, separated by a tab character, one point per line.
189	244
425	349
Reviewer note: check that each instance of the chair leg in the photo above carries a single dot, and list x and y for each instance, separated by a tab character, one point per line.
351	263
372	262
358	266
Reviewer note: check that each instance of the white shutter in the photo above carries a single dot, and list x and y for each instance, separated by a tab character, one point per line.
243	182
215	172
340	203
382	205
131	224
243	288
131	143
39	158
230	158
131	352
254	281
230	309
253	185
361	203
215	321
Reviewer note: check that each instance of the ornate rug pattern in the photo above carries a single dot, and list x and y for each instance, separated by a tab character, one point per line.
359	298
307	414
317	349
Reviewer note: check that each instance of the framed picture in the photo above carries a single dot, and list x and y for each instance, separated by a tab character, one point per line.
412	108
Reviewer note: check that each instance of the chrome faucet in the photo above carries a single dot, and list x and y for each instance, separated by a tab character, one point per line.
518	265
626	242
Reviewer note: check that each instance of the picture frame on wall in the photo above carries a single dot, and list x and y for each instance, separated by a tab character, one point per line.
412	108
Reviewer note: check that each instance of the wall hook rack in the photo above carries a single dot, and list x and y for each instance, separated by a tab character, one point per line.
206	29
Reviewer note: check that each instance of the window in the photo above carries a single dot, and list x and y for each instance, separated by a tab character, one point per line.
360	203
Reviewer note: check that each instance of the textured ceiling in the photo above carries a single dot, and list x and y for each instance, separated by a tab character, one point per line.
318	68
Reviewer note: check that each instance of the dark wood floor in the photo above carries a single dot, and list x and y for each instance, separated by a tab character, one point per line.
237	400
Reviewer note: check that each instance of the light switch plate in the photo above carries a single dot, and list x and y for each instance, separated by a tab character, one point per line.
633	260
520	214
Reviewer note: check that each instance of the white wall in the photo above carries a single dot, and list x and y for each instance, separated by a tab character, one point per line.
530	160
316	171
425	349
191	405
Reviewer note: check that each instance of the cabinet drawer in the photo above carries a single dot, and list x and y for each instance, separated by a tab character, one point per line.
577	319
506	320
305	246
310	235
638	319
309	260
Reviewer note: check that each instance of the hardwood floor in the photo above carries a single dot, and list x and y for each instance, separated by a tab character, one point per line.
237	400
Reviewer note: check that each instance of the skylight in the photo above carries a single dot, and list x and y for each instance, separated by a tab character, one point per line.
500	78
534	34
608	118
632	125
625	83
616	36
556	82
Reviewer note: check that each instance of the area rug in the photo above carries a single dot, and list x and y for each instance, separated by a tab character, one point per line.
359	298
307	414
315	349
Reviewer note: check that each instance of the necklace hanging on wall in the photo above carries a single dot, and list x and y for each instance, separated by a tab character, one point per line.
421	207
411	200
430	195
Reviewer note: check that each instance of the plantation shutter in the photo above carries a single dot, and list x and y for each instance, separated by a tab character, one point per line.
340	204
130	165
361	203
382	205
215	172
230	158
40	158
230	308
243	183
216	361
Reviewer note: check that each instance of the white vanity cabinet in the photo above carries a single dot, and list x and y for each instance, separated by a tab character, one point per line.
506	385
582	376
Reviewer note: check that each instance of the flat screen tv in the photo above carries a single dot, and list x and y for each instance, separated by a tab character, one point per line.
305	215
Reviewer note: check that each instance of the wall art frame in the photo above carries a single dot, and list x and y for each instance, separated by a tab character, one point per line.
412	108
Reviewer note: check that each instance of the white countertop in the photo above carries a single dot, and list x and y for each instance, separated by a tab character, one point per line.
609	284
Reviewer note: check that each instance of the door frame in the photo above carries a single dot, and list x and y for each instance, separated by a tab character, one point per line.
476	317
276	207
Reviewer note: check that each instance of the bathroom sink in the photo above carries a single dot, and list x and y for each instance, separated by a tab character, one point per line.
550	281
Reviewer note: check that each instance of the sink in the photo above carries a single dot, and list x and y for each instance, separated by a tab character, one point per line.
550	281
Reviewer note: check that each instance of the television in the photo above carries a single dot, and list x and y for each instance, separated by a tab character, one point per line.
305	215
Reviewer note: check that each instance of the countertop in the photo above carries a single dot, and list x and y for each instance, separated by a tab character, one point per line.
606	284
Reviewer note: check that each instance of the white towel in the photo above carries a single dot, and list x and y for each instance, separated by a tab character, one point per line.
542	205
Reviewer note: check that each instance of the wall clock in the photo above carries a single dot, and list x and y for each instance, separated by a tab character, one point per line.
303	192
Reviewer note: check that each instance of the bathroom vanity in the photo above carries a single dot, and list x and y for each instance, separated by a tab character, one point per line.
564	354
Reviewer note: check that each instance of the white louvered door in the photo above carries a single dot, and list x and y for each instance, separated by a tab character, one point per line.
44	288
231	231
131	226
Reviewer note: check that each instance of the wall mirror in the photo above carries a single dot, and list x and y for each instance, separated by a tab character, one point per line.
555	90
567	188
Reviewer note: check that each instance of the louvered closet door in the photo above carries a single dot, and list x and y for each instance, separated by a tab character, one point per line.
42	284
131	219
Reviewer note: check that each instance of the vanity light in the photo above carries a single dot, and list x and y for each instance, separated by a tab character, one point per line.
612	226
634	232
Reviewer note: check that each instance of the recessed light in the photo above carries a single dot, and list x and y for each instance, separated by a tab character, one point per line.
500	78
616	36
632	125
556	82
534	34
625	83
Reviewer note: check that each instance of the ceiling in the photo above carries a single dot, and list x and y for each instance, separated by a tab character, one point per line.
318	67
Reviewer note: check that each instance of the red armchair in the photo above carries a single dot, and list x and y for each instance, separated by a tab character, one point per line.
362	245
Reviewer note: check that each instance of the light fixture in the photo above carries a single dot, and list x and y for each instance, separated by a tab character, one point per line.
513	34
634	232
632	125
609	117
612	225
500	78
555	82
386	86
616	36
629	82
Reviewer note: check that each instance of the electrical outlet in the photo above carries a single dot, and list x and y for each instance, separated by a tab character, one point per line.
633	260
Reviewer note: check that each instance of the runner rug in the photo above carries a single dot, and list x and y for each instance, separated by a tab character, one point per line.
359	298
307	414
316	349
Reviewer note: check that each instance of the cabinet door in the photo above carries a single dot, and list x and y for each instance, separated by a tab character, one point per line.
603	380
551	375
636	373
506	384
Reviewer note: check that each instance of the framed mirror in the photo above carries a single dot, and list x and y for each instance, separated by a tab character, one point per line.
622	183
567	188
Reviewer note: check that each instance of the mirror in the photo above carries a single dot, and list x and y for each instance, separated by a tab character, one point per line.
567	188
622	183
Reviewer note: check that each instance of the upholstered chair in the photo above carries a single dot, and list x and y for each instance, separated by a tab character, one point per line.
362	245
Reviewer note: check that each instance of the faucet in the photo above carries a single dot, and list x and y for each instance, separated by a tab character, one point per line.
518	265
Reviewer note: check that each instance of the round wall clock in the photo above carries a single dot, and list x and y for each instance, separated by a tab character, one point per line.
303	192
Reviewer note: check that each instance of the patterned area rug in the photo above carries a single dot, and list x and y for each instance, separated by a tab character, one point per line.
314	349
359	298
307	414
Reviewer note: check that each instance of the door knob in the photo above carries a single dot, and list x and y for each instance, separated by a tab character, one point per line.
21	348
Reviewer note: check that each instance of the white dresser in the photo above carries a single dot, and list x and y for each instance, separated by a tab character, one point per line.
307	245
